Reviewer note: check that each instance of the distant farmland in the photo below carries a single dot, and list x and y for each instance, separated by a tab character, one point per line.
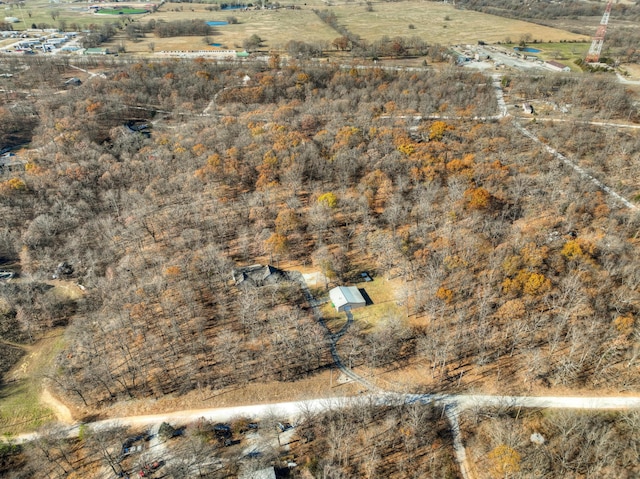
441	23
433	22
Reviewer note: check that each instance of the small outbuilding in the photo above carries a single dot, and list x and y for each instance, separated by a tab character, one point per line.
73	82
345	298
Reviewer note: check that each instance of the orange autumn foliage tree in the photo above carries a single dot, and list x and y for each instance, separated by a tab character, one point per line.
527	282
277	243
438	129
477	198
505	461
267	171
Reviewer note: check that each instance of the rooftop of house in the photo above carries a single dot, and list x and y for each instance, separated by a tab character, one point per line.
259	275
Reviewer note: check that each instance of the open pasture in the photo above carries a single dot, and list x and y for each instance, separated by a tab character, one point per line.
64	16
275	27
434	22
440	23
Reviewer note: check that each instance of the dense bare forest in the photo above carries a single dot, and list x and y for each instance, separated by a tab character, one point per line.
314	165
410	441
514	269
534	443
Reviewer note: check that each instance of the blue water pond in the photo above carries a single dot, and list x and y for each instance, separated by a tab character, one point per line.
216	23
527	50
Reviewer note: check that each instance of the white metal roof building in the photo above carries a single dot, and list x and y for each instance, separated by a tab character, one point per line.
266	473
344	298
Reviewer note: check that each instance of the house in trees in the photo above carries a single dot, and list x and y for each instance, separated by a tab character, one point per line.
10	163
258	275
346	298
73	82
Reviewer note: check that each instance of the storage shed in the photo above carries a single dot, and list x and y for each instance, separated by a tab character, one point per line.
345	298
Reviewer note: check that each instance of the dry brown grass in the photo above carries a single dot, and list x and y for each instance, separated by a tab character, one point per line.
160	44
393	19
633	70
65	289
277	27
323	384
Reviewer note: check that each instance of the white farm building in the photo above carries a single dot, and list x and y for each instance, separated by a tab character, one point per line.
345	298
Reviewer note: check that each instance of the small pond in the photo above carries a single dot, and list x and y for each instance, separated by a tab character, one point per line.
216	23
527	50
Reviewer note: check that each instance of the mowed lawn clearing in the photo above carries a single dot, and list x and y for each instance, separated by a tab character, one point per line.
121	11
440	23
20	407
384	294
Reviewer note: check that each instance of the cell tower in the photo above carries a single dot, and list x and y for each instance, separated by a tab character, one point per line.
596	45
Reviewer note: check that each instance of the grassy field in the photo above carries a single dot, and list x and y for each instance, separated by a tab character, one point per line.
434	22
121	11
565	53
276	27
66	15
384	294
20	406
440	23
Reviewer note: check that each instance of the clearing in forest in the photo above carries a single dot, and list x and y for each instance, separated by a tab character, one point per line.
20	406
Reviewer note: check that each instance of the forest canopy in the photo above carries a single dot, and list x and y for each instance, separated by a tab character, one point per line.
505	256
